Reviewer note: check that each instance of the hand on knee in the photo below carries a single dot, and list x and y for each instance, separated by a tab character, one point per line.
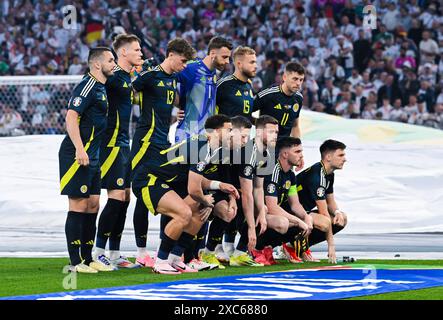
282	226
340	220
345	220
340	224
185	216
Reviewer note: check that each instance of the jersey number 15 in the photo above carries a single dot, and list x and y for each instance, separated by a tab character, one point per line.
246	106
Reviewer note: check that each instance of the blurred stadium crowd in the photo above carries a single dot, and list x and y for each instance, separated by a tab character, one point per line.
393	72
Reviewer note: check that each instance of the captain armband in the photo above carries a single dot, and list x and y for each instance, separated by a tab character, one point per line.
292	190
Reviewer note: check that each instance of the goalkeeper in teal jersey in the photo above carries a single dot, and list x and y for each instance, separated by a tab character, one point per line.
198	88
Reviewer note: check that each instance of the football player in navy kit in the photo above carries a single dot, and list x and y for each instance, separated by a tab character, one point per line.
114	152
79	159
316	191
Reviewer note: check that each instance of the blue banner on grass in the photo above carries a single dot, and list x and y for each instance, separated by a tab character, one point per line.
312	284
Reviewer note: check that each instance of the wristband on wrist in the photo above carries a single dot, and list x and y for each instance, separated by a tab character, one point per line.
214	185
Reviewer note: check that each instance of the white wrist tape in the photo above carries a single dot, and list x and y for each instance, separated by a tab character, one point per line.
337	211
214	185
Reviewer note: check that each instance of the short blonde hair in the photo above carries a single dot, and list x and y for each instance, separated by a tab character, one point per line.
242	51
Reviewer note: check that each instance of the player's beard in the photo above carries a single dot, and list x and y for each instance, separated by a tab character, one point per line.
294	90
339	167
219	66
108	74
269	144
294	164
249	74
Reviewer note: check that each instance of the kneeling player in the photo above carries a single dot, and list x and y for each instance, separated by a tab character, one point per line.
165	192
215	168
315	189
240	174
282	200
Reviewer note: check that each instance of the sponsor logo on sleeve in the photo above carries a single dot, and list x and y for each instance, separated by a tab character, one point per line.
77	101
271	188
201	166
321	192
247	171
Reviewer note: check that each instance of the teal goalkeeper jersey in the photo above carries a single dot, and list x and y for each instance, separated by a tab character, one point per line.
197	98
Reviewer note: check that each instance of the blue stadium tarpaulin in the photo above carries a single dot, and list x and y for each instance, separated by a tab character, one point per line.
312	284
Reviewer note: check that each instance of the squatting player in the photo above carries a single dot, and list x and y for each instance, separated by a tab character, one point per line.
166	191
239	172
281	195
263	146
234	98
158	92
316	190
220	142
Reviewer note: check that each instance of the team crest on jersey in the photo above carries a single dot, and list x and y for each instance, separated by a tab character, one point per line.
77	101
84	188
246	93
247	171
321	192
287	184
201	166
165	186
271	188
214	79
296	107
120	182
260	164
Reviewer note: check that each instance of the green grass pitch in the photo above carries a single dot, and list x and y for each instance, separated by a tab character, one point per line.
27	276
